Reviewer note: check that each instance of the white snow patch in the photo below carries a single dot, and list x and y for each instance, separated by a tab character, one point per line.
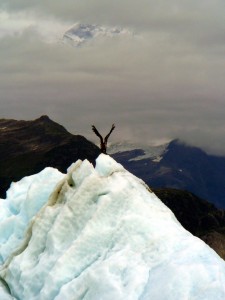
154	152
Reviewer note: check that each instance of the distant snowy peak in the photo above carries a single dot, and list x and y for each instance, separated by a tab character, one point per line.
155	152
79	34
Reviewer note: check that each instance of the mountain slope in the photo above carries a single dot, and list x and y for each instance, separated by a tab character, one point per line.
180	166
102	234
26	147
198	216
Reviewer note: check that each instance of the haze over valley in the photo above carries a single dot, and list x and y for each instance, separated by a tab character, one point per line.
156	69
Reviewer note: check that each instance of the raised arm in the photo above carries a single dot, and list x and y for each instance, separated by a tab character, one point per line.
97	133
112	128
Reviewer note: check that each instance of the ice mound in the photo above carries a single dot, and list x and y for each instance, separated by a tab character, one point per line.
100	234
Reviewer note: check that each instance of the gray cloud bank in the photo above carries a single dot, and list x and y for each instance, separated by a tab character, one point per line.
166	81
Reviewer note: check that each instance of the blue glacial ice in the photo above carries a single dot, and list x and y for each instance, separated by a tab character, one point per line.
99	233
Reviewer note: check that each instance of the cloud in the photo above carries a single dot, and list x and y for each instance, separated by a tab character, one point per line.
166	81
14	24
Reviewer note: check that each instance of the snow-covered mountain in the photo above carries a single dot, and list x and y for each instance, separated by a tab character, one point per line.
176	165
139	151
79	34
99	233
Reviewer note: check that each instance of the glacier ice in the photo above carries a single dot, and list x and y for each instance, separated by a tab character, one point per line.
24	200
99	233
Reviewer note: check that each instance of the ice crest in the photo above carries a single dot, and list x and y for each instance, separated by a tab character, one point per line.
105	165
99	233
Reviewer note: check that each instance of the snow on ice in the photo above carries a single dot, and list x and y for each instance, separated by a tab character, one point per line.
99	233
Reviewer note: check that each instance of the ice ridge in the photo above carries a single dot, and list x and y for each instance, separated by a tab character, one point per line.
100	233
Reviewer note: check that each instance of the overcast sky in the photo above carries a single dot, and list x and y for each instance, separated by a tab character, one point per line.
164	79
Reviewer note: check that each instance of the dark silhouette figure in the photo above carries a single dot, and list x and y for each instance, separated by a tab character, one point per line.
103	143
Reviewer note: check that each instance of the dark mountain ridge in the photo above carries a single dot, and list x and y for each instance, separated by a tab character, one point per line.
26	147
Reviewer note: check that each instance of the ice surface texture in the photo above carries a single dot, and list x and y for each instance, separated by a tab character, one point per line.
101	234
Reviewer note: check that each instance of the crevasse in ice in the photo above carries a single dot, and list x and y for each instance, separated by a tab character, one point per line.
99	233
